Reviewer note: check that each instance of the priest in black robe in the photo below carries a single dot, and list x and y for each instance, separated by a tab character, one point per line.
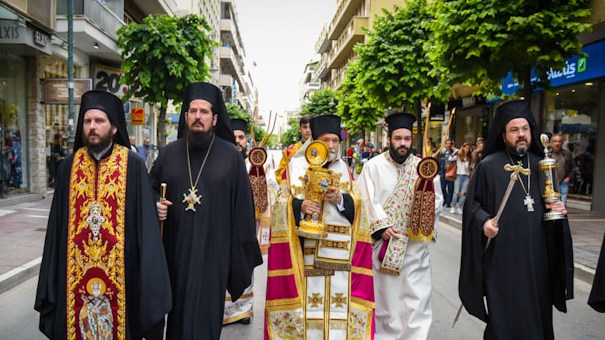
209	227
103	266
528	267
596	299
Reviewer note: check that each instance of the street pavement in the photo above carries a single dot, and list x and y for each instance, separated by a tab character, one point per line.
19	320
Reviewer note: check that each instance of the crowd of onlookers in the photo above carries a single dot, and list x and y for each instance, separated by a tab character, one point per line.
574	169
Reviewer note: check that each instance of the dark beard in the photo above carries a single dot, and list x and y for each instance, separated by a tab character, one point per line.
199	140
243	152
104	143
396	157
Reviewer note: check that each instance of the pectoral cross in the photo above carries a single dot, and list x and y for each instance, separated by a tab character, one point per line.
191	199
529	202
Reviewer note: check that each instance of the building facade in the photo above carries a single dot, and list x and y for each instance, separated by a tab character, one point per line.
35	123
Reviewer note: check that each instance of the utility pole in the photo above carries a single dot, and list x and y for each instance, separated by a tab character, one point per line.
70	72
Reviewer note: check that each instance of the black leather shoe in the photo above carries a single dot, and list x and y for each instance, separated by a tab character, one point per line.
244	321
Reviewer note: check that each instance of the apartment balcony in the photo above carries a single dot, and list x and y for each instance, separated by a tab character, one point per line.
323	42
343	47
231	64
322	67
345	11
169	7
94	28
225	80
230	35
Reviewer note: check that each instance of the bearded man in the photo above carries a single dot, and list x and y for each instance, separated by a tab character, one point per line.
319	288
401	262
101	240
208	211
528	266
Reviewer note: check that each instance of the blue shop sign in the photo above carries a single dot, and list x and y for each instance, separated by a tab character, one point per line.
578	69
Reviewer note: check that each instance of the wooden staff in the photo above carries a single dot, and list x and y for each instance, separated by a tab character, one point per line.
162	198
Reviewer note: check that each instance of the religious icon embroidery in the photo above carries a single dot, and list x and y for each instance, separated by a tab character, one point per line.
96	317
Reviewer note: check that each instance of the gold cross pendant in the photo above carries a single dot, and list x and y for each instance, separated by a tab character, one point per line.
191	199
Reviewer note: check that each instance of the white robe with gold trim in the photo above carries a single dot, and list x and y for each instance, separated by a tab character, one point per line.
403	303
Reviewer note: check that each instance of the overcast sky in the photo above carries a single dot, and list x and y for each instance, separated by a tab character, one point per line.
279	36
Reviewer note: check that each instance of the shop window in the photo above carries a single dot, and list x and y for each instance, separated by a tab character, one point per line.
573	111
13	142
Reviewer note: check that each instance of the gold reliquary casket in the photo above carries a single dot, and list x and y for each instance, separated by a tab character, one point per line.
315	182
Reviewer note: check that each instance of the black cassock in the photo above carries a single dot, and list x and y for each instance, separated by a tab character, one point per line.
147	285
213	248
528	266
597	294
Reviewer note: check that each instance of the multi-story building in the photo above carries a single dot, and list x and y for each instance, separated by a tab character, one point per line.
308	83
34	71
337	39
228	59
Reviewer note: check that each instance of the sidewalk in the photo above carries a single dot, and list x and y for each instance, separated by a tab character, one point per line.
22	230
587	230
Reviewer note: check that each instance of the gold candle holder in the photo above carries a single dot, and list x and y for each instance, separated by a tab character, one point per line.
549	181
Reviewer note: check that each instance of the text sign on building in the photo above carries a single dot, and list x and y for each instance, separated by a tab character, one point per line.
107	78
57	92
137	116
576	69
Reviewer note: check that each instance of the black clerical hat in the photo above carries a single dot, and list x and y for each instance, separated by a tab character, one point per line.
214	96
400	120
239	124
505	113
325	124
112	106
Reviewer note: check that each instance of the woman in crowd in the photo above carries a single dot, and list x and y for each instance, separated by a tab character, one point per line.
463	167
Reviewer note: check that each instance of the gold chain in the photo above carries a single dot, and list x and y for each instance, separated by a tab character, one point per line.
203	163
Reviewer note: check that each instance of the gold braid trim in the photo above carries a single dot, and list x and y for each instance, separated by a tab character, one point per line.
318	272
330	265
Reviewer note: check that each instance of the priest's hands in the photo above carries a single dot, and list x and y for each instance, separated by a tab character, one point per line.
489	229
310	207
332	195
162	207
390	232
557	206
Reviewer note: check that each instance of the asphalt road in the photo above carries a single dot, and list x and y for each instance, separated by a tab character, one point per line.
19	321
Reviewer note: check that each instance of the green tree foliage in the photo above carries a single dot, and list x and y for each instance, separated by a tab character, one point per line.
477	41
161	56
393	64
322	102
292	134
236	111
358	111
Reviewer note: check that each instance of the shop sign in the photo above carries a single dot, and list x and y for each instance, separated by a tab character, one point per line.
40	38
11	32
576	69
107	78
57	92
437	112
137	116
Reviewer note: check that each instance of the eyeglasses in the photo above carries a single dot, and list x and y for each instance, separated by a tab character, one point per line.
516	130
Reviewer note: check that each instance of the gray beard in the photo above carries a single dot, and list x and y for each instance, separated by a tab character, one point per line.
521	150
